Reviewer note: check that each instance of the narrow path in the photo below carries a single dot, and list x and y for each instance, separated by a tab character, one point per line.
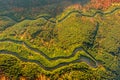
86	15
71	12
48	18
80	59
43	54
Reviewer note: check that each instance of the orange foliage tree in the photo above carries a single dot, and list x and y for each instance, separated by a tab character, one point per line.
100	4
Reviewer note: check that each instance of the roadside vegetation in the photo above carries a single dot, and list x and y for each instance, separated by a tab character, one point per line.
40	48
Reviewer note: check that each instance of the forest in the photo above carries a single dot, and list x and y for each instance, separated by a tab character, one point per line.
59	40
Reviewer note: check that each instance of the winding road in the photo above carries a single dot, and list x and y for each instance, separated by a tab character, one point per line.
86	15
43	54
68	14
90	61
80	59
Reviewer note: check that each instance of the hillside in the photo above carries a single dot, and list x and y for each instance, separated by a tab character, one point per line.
21	9
78	43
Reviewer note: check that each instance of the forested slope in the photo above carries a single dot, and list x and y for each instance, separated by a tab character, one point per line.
79	43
